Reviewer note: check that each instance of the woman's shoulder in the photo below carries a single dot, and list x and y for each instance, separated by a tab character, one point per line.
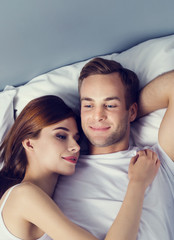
25	187
8	194
19	206
27	192
20	194
13	202
22	201
21	188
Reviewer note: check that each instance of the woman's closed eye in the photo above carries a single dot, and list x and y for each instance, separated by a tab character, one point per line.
61	136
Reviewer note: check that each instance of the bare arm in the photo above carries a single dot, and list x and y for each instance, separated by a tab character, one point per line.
158	94
39	209
48	217
142	170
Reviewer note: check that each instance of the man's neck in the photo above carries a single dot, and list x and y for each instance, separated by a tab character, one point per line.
95	150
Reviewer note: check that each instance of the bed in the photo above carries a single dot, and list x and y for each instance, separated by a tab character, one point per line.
44	45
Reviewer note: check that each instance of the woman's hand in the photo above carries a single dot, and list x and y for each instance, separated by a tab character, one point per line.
142	170
143	167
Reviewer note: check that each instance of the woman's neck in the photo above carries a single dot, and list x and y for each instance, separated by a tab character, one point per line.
46	182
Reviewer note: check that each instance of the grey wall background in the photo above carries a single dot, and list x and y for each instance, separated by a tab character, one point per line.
37	36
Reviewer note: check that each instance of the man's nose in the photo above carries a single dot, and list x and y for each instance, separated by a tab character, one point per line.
99	114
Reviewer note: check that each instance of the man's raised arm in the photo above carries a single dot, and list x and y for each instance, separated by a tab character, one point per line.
159	93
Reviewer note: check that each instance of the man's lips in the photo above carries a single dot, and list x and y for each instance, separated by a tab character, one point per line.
71	159
102	129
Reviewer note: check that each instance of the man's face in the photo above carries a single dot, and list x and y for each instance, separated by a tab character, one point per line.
105	120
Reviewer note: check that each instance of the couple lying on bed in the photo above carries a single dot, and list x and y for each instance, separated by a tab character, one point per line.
43	144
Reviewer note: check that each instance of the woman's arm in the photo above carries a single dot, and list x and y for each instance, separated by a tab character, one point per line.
142	170
39	209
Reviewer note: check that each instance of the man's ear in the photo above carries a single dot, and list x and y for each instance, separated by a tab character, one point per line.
133	111
27	144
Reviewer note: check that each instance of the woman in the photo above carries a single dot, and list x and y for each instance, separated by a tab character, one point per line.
42	144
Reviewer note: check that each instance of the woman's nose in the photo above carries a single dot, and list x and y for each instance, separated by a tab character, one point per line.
74	147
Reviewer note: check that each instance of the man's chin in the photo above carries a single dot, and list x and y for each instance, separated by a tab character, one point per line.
99	143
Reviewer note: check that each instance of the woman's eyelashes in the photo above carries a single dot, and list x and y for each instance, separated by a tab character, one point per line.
61	136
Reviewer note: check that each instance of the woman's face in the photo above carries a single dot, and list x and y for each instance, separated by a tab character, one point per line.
56	149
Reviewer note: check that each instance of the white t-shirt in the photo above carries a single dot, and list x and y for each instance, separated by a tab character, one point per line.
5	234
93	196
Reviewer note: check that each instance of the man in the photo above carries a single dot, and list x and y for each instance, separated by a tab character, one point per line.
93	195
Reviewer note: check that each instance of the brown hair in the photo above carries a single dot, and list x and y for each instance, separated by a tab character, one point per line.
37	114
104	66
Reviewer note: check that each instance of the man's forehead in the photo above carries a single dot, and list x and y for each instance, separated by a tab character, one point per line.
101	80
99	88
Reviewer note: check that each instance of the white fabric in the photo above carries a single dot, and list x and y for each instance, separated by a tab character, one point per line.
93	195
5	234
6	110
147	59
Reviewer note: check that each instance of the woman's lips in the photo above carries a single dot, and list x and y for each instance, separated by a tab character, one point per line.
71	159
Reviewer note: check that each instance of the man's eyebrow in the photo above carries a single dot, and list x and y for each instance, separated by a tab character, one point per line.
112	98
105	99
86	99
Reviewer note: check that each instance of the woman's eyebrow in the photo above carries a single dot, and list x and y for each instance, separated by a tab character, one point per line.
67	130
62	128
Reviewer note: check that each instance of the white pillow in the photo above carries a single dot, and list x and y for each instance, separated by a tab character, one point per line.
148	59
7	110
61	82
